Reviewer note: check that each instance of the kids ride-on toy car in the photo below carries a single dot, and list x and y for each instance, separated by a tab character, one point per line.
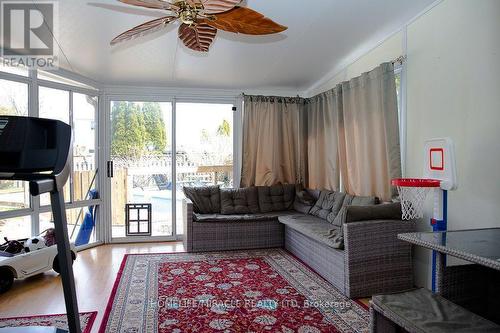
29	257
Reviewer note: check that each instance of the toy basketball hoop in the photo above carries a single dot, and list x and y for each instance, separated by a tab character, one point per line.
439	176
412	193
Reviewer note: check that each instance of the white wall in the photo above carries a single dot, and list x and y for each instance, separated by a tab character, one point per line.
453	89
389	49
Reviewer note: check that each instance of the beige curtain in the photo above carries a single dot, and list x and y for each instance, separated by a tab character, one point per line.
351	130
271	140
321	123
368	133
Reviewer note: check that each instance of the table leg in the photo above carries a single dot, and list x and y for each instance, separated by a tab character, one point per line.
439	265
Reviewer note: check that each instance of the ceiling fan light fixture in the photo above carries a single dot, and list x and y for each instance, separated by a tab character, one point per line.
188	17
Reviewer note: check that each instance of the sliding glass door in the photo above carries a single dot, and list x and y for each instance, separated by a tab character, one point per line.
141	162
204	148
151	161
81	191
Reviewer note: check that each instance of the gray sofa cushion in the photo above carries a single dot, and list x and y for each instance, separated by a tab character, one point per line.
340	219
390	211
206	199
313	227
305	200
276	198
301	207
239	201
306	195
352	200
328	205
241	217
359	200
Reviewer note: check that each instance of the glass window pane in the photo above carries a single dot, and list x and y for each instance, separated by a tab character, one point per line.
54	104
84	146
141	152
18	70
76	218
14	195
204	148
13	102
45	198
397	78
13	98
15	228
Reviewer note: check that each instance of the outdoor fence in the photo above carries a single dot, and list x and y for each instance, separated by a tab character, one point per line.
153	174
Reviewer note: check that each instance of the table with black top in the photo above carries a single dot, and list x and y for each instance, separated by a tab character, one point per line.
475	286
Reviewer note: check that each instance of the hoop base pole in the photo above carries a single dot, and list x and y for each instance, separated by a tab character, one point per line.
439	225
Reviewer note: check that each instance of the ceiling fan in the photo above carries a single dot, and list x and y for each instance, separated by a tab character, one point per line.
200	20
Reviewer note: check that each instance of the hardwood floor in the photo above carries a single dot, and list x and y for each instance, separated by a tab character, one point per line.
95	273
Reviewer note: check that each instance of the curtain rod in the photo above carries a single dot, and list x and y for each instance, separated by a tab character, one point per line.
399	60
298	96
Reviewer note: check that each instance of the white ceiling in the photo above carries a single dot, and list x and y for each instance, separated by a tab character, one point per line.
321	35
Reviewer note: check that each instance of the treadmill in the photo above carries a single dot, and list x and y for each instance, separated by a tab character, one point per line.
36	150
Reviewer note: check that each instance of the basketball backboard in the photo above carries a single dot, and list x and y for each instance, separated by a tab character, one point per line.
439	162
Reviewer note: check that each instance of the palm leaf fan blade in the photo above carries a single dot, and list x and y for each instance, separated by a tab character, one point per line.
144	29
154	4
214	6
245	21
197	37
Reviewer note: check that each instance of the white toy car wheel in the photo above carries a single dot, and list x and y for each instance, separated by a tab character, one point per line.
6	279
55	264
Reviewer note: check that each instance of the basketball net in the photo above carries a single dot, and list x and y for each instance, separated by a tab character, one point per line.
412	193
412	201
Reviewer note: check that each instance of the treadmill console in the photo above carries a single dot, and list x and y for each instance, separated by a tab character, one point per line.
33	145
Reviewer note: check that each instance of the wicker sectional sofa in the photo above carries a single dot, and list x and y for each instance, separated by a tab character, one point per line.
350	241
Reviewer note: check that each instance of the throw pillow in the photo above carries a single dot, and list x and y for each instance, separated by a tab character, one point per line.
304	200
328	205
340	218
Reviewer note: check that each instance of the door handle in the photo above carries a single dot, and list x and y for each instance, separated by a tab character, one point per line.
110	170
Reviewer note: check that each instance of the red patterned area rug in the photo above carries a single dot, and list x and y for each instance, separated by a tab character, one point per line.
55	320
244	291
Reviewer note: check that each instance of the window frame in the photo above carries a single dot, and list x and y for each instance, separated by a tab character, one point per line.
23	80
400	69
35	209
